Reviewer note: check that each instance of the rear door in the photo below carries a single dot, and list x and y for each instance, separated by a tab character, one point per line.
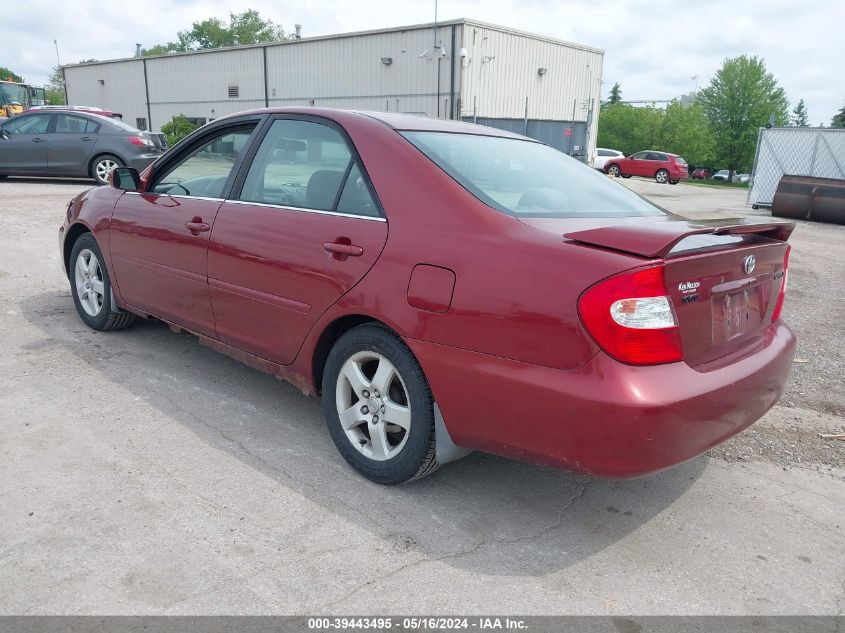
159	237
71	142
303	228
23	146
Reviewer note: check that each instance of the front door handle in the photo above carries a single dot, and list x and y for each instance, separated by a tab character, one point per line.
38	140
197	226
342	251
86	138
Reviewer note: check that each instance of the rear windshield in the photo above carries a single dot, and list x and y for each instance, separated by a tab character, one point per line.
524	178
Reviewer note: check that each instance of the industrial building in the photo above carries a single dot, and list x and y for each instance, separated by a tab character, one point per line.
458	69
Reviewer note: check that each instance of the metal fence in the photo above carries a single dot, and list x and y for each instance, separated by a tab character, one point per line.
795	151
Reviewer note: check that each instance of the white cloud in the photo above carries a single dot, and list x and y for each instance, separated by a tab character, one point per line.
652	48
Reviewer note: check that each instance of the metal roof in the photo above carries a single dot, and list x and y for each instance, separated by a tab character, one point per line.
394	29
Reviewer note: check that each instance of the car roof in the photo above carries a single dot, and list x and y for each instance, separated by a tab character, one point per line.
395	120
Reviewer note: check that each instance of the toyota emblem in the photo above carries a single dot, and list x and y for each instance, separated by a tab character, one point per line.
748	264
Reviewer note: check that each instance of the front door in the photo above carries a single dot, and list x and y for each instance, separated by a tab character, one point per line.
23	147
639	164
70	144
159	237
303	229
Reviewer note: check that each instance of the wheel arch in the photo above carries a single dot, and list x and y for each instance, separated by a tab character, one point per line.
73	233
329	336
99	155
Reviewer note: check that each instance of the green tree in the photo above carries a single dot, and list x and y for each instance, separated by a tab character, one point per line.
177	129
615	94
799	115
247	27
838	119
9	75
739	100
55	90
685	130
629	129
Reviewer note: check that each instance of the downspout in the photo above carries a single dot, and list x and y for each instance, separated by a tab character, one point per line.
266	92
452	76
147	93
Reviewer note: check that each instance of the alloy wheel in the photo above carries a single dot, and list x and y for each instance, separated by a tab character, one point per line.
373	405
104	168
90	287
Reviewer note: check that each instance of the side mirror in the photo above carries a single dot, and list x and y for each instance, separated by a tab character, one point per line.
4	134
126	178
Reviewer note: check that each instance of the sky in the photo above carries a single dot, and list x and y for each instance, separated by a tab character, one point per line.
654	49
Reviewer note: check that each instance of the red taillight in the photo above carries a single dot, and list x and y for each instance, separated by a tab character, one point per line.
782	293
630	316
140	140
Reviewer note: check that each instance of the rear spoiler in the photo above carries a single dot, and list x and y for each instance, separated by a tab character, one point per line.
657	239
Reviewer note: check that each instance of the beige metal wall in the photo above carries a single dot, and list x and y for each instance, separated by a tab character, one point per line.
198	85
501	74
121	90
348	72
493	79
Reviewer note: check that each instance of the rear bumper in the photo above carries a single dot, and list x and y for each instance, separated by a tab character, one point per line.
142	161
607	418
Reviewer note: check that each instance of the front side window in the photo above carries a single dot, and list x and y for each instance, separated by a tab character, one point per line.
640	156
207	168
525	178
35	124
299	164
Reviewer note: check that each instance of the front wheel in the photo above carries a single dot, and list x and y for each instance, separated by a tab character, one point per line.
91	287
103	166
673	182
662	176
378	406
613	170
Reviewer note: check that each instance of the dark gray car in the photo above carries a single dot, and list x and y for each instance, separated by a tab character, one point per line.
72	144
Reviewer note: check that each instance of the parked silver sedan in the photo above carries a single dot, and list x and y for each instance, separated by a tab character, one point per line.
72	144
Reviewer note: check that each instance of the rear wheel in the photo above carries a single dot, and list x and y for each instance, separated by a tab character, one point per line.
378	406
102	166
673	182
662	176
626	175
614	171
91	287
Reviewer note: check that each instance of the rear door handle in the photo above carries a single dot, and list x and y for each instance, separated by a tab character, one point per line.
86	138
38	140
197	226
347	250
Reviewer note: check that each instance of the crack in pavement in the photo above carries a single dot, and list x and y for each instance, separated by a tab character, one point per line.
472	550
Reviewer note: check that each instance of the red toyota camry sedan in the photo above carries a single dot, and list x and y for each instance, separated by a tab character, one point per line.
444	287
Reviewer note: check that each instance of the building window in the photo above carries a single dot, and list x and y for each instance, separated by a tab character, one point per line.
234	92
141	123
193	120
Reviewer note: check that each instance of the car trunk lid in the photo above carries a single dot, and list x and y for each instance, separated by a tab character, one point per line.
723	277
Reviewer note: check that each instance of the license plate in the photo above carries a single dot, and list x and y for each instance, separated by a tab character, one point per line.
735	314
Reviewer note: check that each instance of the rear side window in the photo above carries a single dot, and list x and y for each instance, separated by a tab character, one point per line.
307	165
606	152
680	160
72	124
525	178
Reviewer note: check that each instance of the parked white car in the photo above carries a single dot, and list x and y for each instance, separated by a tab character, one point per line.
603	155
723	174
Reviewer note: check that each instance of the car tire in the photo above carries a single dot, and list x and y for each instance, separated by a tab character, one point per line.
614	171
101	167
90	286
661	176
371	376
625	175
673	182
